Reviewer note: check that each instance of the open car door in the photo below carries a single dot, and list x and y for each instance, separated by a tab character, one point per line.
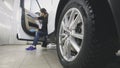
27	27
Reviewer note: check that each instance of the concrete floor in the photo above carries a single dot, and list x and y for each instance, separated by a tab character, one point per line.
15	56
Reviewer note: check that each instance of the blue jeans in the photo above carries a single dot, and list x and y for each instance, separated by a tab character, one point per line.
37	36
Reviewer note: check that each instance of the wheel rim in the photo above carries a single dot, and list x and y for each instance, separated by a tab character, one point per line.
71	34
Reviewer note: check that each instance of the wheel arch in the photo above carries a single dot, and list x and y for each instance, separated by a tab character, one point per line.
61	6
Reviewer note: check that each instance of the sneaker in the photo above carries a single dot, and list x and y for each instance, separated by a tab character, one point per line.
31	48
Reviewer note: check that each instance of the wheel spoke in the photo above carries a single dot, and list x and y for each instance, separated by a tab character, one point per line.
67	49
77	35
74	44
64	26
75	22
63	39
72	15
64	50
66	19
62	35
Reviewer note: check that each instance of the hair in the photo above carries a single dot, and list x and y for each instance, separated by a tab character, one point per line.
43	10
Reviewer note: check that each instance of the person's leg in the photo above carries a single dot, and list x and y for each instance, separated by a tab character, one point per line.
44	43
37	36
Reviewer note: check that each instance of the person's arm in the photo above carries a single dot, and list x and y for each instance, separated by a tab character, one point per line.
40	18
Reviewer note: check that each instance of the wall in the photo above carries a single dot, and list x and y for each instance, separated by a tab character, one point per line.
8	22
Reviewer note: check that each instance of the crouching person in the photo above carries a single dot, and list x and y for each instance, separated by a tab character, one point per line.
41	31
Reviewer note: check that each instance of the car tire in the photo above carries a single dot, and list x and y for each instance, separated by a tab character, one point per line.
91	50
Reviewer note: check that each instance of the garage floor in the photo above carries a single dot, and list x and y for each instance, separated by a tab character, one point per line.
15	56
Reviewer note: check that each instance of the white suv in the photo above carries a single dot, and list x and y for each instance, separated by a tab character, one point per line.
86	31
